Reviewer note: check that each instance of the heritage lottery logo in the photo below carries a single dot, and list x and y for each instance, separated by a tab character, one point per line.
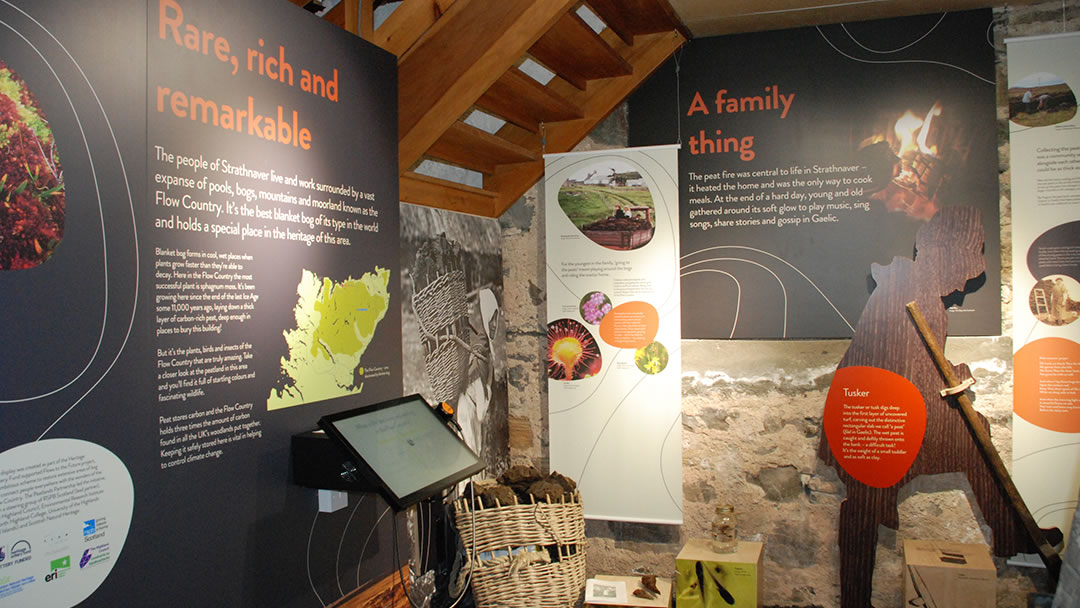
16	553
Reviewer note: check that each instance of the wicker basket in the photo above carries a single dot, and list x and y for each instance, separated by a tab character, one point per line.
510	583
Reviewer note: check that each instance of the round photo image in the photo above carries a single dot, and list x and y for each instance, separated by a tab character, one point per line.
1040	100
1051	302
594	307
572	351
31	180
609	202
651	359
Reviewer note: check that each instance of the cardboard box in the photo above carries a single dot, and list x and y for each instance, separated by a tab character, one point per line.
707	579
946	575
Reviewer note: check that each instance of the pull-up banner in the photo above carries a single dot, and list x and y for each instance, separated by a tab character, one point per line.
613	358
1044	153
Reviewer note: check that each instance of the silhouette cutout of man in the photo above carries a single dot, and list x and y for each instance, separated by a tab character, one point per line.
948	253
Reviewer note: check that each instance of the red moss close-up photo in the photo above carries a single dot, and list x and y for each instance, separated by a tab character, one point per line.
32	206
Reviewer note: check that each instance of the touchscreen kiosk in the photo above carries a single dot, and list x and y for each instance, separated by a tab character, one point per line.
404	448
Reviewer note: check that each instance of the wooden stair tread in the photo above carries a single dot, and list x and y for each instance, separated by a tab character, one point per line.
458	58
629	18
650	51
457	55
520	99
467	146
575	52
452	196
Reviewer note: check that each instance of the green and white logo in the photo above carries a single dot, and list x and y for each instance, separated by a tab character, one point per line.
58	568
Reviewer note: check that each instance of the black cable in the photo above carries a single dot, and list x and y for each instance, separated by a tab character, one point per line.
397	561
471	563
465	588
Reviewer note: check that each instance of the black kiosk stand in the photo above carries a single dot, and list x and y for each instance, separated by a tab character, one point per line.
401	449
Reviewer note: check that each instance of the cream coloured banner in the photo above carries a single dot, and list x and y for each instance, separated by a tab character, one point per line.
613	364
1044	135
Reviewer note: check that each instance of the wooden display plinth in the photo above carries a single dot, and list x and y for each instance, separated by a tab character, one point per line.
948	575
707	578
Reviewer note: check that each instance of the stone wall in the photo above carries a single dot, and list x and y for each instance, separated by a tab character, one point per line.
752	416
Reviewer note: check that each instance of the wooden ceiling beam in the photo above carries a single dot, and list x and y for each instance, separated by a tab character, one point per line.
459	58
433	192
336	15
407	24
365	20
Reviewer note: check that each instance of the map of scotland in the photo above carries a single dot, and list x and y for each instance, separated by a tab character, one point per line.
335	322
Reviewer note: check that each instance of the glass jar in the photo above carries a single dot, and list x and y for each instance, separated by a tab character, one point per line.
724	531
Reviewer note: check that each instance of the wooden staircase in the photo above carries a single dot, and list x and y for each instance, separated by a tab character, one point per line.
460	56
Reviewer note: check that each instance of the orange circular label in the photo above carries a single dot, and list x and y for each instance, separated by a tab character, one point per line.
875	421
630	325
1046	384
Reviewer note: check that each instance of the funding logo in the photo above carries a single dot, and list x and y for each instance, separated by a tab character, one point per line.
94	529
58	568
21	549
93	556
15	553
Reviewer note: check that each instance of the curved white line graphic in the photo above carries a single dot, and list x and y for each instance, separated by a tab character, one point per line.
898	61
1046	449
790	265
131	207
663	478
363	550
738	294
101	215
783	289
341	542
896	50
307	558
607	368
603	428
1056	506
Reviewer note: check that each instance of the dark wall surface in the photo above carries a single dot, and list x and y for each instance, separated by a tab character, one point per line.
228	273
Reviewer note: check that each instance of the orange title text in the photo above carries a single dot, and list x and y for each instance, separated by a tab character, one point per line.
277	124
772	99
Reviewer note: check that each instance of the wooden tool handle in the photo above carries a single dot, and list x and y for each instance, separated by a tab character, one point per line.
1049	555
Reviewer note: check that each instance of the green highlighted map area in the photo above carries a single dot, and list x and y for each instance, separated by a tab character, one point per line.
335	322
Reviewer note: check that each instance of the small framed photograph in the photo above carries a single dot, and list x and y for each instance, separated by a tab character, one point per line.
605	592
